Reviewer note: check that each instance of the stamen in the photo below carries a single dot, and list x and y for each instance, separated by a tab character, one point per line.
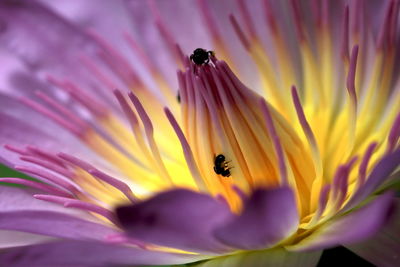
116	61
118	184
78	204
224	132
75	161
222	199
38	152
62	109
345	37
362	171
249	113
50	114
138	50
159	77
87	100
97	73
122	239
47	176
394	135
134	123
240	193
340	184
325	19
357	15
385	30
209	19
40	186
165	33
123	187
149	130
275	140
270	17
351	79
308	133
316	10
239	32
187	151
244	11
298	20
322	204
350	85
48	165
16	150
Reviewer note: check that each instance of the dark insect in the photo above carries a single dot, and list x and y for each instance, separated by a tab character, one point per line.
178	97
221	166
201	56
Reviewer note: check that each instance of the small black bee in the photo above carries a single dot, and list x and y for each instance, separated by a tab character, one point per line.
221	166
201	56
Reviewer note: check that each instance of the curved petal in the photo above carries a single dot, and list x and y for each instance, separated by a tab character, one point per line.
54	224
351	228
178	218
10	239
383	249
81	253
273	257
269	216
14	199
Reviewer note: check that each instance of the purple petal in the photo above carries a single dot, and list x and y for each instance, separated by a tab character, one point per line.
30	23
20	126
378	176
17	199
55	45
10	239
179	218
383	249
268	217
351	228
20	211
53	224
13	199
81	253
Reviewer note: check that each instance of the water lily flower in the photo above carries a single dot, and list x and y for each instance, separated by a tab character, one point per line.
276	139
